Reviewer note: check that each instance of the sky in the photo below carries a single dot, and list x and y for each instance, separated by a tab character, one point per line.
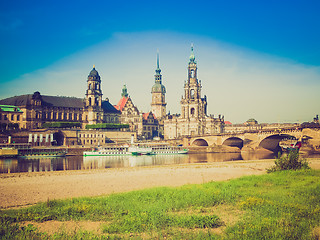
256	59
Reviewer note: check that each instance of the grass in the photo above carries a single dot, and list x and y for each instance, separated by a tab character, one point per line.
279	205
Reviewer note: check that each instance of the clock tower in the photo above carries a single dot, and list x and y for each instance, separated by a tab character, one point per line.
158	104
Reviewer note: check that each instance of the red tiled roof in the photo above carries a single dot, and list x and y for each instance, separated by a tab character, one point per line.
227	122
121	103
146	115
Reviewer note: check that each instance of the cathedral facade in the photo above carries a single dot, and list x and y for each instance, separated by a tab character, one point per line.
193	120
38	109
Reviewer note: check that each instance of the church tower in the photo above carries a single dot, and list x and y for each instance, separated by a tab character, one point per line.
93	101
192	105
158	104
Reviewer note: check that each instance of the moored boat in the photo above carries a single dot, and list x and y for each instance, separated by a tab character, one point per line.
108	151
8	152
41	152
168	150
136	150
290	146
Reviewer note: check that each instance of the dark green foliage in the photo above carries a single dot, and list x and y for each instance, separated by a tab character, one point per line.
290	161
107	126
61	124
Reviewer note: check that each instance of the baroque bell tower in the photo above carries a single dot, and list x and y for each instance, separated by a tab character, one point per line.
192	105
158	104
93	101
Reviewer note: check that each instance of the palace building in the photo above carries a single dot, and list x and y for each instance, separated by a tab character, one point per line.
145	125
193	119
38	109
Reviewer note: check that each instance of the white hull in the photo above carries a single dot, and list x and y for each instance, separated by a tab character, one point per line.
136	151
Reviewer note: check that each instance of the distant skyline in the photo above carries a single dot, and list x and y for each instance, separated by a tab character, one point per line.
256	59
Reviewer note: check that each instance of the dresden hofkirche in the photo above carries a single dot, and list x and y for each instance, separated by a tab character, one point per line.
38	109
193	119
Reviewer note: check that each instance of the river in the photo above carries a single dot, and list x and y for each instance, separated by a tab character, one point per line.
70	163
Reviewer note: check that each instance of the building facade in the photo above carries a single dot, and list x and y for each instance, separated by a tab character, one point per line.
145	125
193	120
38	109
10	117
129	112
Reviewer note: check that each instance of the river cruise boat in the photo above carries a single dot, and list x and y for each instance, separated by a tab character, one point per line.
136	150
42	152
108	151
168	150
119	151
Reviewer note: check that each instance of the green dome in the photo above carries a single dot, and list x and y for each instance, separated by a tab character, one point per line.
157	87
94	73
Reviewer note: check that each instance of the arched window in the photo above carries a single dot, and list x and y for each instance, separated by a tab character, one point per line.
89	101
192	73
192	111
192	93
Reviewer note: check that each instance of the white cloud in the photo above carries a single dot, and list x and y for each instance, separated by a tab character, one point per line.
240	84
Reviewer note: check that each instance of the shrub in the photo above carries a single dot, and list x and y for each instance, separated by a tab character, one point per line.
107	126
61	124
290	161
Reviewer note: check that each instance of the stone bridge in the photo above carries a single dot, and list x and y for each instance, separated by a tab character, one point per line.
267	139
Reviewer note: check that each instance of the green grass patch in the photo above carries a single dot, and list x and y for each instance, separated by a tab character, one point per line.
280	205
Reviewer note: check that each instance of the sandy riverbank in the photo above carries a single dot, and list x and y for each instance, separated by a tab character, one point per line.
22	189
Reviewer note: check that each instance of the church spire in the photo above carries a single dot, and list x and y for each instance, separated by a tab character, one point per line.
158	70
192	57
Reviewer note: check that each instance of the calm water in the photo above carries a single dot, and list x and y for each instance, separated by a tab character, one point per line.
87	163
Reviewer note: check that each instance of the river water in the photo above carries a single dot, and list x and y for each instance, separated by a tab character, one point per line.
69	163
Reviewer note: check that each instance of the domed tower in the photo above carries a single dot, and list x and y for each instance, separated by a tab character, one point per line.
93	100
93	93
158	105
192	105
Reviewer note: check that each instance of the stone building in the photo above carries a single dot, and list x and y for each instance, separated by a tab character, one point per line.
38	109
145	125
193	119
10	117
129	112
149	126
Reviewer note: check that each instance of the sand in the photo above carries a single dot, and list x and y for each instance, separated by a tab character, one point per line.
24	189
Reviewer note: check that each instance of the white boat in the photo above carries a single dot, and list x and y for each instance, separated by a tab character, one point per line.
136	150
109	151
167	150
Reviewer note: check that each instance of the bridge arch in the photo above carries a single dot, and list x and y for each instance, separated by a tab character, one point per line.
200	142
272	142
233	142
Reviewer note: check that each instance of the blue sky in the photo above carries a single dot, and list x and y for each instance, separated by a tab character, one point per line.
256	59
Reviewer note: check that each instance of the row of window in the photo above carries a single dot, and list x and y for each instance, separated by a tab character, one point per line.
12	117
59	116
84	142
86	135
149	128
